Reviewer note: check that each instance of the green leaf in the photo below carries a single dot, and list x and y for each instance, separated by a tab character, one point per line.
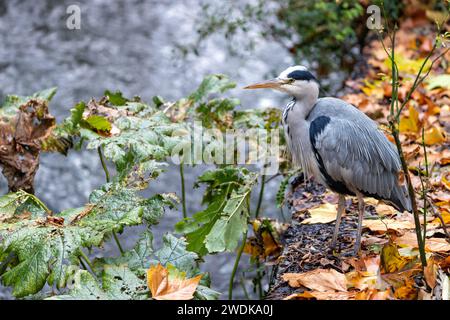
85	287
46	94
138	258
121	283
227	230
174	252
219	227
216	83
99	123
205	293
41	251
116	98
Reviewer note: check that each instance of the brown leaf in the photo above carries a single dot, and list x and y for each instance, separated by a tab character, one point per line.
324	213
373	294
318	280
329	295
430	274
431	244
165	287
21	138
385	224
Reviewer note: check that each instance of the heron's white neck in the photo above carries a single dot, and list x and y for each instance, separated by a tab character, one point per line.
306	96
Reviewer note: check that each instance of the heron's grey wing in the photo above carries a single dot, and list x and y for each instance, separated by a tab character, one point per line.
353	153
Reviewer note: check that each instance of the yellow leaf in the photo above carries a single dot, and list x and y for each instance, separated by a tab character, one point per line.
406	292
373	294
435	135
175	287
322	280
446	181
410	124
409	66
391	260
324	213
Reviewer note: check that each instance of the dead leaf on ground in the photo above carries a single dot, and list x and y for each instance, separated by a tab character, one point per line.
431	244
318	280
382	225
329	295
430	273
165	286
391	260
373	294
324	213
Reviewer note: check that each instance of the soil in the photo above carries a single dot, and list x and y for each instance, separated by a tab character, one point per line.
306	246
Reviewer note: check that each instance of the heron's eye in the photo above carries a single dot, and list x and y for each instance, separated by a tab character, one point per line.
290	81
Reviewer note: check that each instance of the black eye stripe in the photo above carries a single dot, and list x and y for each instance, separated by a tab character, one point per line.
301	75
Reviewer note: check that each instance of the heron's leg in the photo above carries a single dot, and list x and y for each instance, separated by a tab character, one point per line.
361	209
340	211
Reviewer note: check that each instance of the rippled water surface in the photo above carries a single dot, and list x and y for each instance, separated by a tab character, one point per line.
128	46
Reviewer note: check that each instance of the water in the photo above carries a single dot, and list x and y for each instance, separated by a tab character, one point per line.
127	46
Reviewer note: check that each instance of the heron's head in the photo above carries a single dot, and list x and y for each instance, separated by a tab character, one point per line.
296	81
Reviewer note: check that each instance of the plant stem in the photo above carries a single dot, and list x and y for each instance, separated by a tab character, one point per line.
244	289
424	189
86	259
393	123
82	263
102	160
183	191
118	243
107	176
236	264
261	195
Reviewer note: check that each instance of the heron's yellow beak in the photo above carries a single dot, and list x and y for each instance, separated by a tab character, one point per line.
271	84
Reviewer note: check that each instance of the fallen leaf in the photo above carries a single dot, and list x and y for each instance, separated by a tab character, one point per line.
406	292
373	294
435	135
318	280
431	244
430	274
391	260
385	224
385	210
322	295
410	124
324	213
170	284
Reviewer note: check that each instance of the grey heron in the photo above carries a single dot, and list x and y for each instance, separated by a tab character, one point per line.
338	145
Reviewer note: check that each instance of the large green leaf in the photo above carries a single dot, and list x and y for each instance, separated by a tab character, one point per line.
219	227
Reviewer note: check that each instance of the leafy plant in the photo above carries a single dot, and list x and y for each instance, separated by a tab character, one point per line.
44	254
